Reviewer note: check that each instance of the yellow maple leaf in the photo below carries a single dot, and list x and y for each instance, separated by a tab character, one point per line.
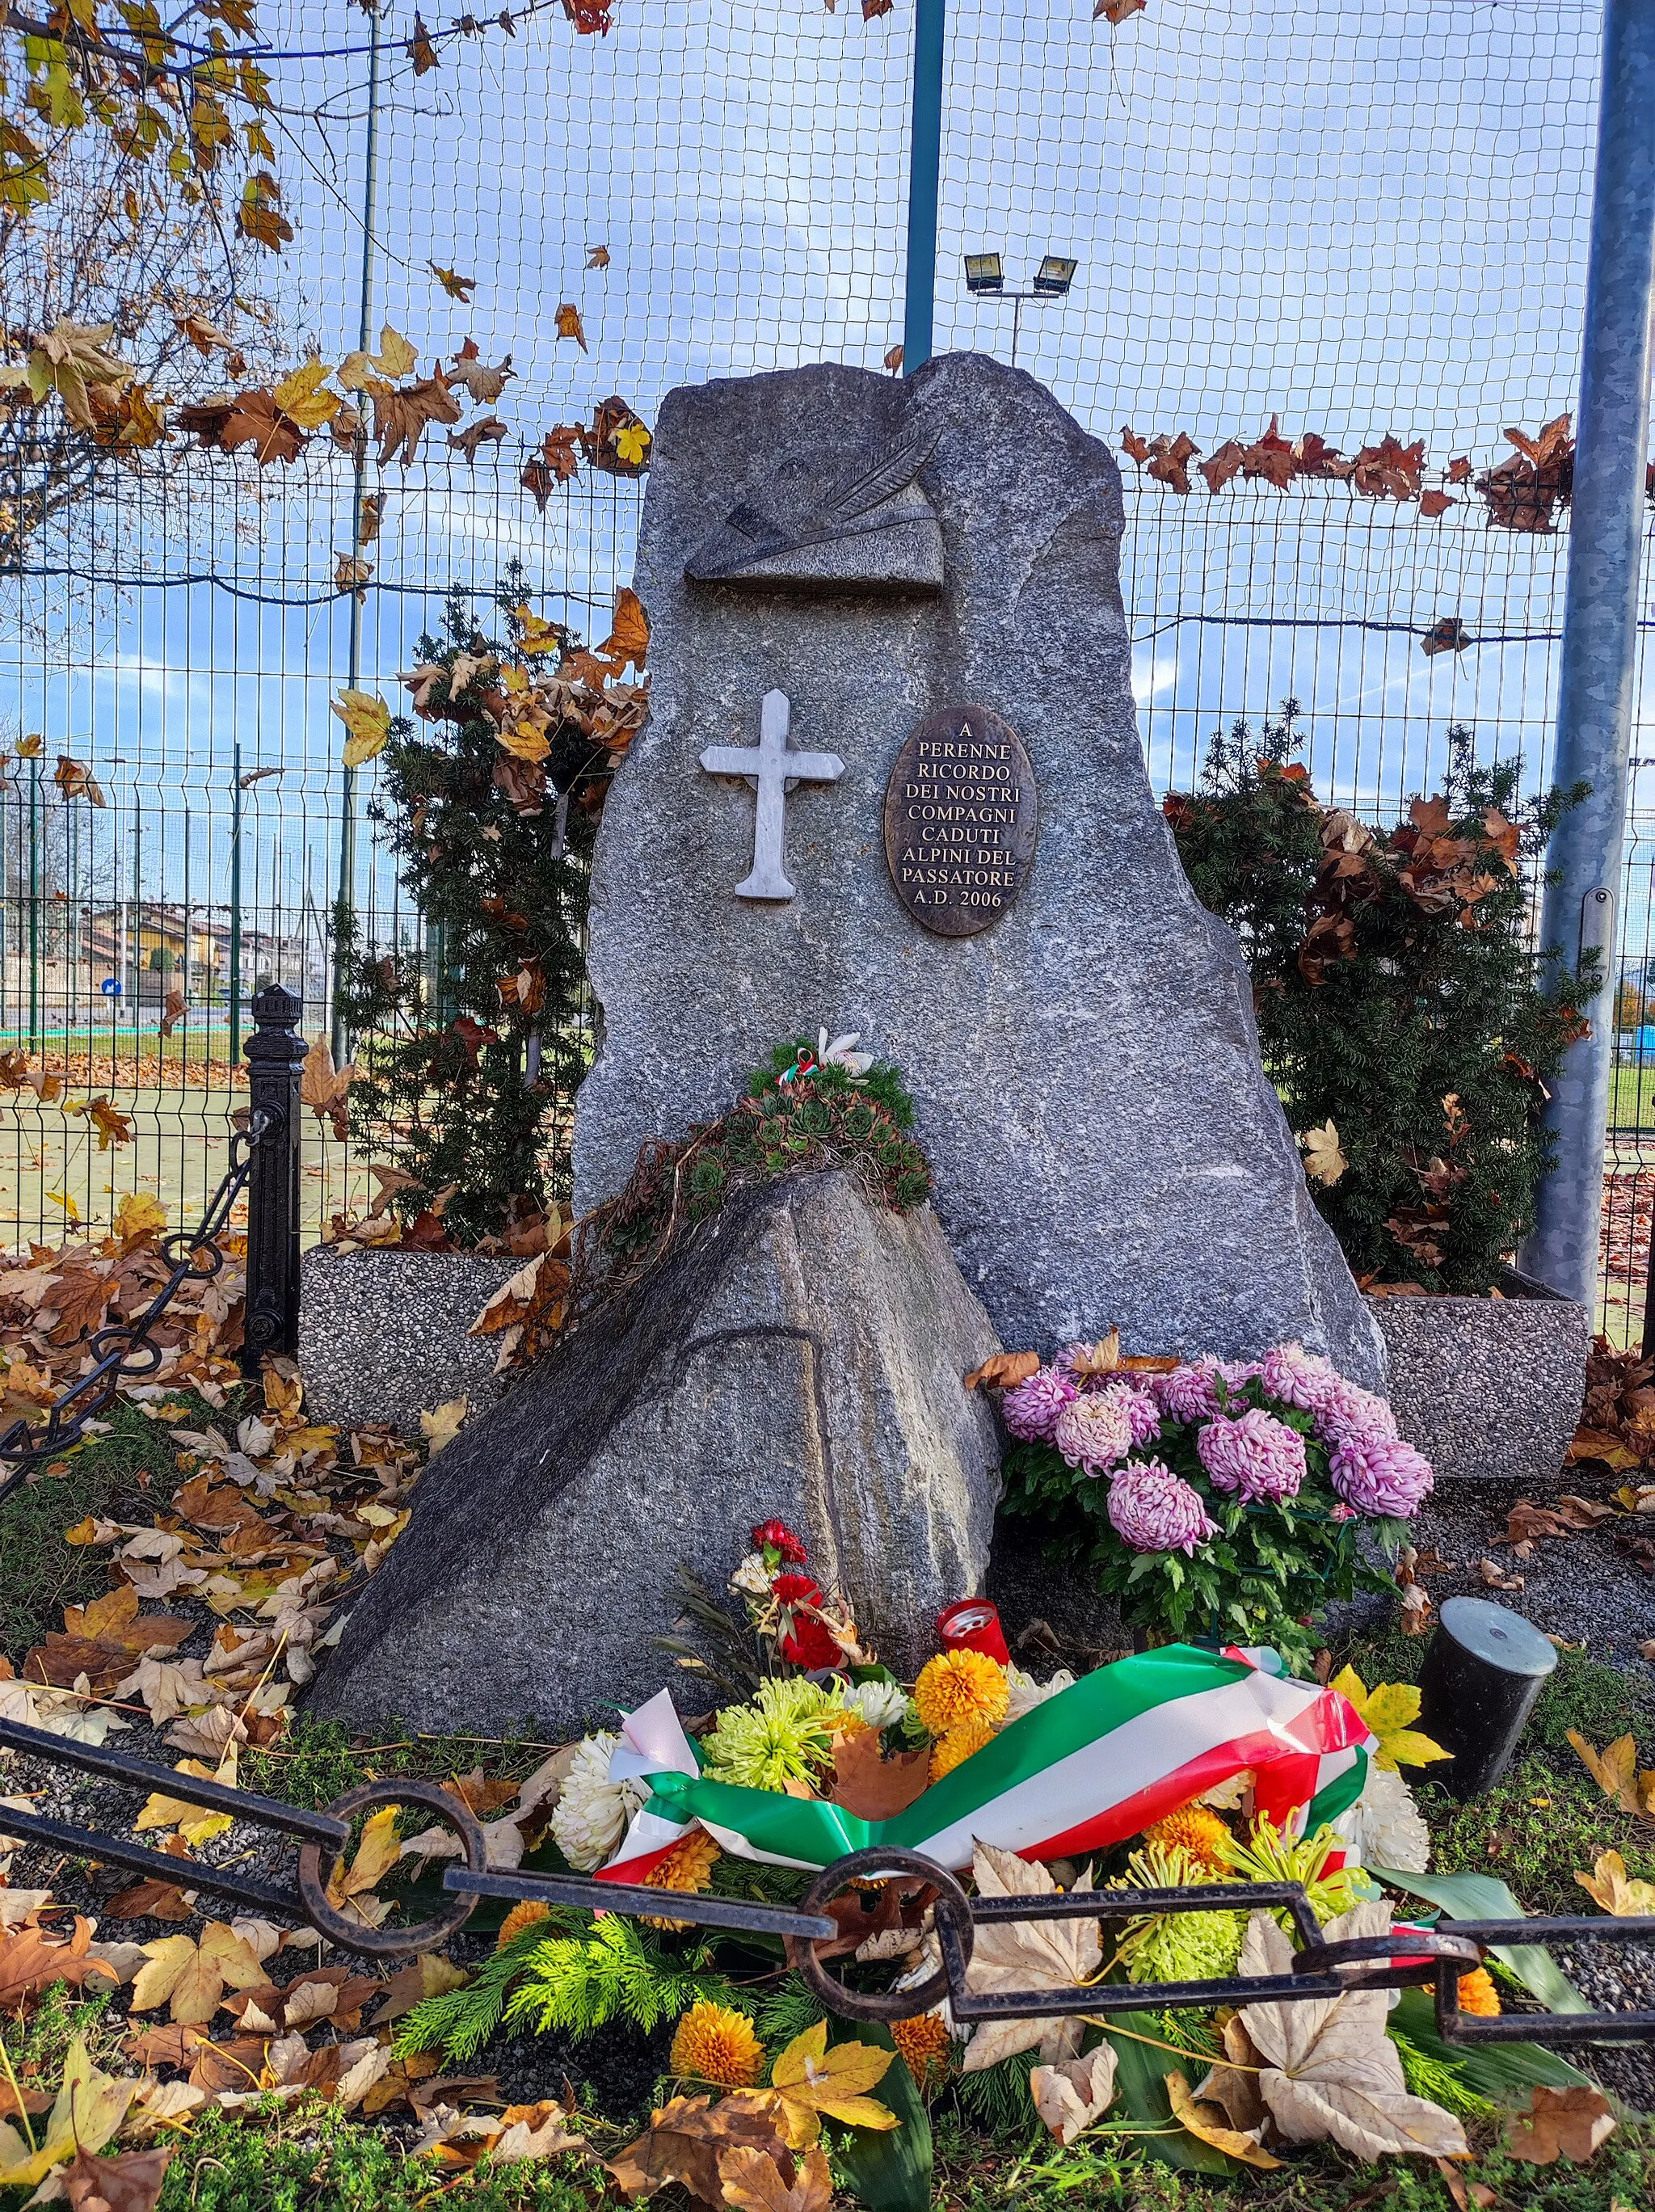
1608	1886
138	1217
302	400
190	1977
1324	1157
457	287
192	1822
539	635
441	1426
811	2081
396	357
31	747
71	1212
1614	1769
1389	1709
366	718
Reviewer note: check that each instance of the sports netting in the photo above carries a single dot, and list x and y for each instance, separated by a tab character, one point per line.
1359	221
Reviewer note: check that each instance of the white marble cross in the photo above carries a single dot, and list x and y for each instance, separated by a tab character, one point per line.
772	770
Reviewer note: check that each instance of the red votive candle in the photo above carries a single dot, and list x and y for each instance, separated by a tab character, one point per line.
972	1625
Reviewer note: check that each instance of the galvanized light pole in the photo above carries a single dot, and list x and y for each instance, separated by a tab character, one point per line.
1600	634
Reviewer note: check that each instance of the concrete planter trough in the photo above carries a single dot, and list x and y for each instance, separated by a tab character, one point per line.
383	1335
1489	1390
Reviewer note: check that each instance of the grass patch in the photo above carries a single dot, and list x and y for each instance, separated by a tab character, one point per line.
1536	1829
127	1474
1101	2175
317	1760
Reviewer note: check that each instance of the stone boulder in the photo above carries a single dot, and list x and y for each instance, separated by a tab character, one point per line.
800	1353
1107	1146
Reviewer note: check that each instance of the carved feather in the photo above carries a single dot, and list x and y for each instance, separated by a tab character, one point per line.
894	467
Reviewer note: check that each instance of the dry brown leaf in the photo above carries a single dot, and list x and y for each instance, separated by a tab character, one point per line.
874	1788
1608	1886
568	324
1003	1371
1559	2123
1330	2069
30	1960
686	2137
129	2182
754	2182
1071	2095
1496	1577
1208	2123
1040	1955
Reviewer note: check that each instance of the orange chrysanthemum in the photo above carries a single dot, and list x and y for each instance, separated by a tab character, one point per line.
958	1745
713	2043
961	1686
687	1866
1196	1830
925	2045
1478	1995
519	1917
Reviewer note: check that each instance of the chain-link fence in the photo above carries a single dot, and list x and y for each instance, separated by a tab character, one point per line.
1365	223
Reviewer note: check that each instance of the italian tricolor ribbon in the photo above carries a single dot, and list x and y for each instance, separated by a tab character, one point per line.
1084	1771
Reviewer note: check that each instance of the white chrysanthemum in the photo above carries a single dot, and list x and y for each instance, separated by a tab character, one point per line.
1226	1796
880	1704
1384	1827
592	1812
1027	1693
751	1578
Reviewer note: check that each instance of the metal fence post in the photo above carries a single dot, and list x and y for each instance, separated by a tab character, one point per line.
274	1052
924	161
1600	636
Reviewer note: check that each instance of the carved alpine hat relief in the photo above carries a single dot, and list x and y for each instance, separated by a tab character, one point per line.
874	529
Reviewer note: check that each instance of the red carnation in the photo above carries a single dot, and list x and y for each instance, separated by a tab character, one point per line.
803	1640
776	1536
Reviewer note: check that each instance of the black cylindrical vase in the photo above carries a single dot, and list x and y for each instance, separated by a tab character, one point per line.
1484	1670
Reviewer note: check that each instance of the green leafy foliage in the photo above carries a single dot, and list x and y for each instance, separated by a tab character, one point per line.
460	2022
614	1972
787	1123
458	1083
1392	974
1260	1580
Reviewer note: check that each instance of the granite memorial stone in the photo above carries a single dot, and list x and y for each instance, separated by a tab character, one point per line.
801	1353
830	559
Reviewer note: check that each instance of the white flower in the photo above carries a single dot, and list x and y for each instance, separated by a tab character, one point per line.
880	1704
752	1578
1384	1827
1225	1796
839	1054
1027	1693
592	1812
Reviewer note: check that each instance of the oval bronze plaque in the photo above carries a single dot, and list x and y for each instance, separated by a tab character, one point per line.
961	815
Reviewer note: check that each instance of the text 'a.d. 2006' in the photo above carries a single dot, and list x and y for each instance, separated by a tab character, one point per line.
961	815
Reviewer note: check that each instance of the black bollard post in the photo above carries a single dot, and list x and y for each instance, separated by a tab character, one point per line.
274	1054
1484	1670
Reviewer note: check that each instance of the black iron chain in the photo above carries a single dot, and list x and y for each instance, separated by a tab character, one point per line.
114	1350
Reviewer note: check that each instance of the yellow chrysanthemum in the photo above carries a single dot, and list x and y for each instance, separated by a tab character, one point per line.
1198	1831
958	1745
686	1866
961	1686
713	2043
1478	1995
924	2043
519	1917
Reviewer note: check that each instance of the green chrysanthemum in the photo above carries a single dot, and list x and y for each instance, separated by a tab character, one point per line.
1176	1947
1269	1854
782	1737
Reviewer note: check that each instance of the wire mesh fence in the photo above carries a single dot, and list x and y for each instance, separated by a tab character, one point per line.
1360	222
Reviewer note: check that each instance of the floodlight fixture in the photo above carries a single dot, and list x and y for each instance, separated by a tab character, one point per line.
984	273
1054	276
